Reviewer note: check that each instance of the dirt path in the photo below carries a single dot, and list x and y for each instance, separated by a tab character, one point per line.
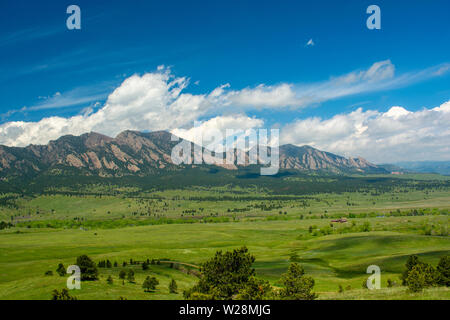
181	263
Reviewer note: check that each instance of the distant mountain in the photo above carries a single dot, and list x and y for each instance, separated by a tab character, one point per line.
310	159
138	153
393	169
440	167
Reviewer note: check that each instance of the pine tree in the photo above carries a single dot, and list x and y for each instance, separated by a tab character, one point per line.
297	286
61	270
173	286
224	275
415	280
63	295
255	289
87	267
130	276
150	283
390	283
443	270
410	264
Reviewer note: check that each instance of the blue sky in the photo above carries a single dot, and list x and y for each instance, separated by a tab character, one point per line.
50	71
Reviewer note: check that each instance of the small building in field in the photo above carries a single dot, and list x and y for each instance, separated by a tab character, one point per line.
341	220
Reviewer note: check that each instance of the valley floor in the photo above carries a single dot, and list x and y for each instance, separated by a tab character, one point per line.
332	260
385	220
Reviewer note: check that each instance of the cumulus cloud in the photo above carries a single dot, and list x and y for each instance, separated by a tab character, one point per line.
153	101
160	101
395	135
213	132
221	123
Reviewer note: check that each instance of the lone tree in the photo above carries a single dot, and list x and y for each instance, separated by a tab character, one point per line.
110	280
223	276
61	270
173	288
122	274
88	268
150	284
390	283
130	276
364	283
297	286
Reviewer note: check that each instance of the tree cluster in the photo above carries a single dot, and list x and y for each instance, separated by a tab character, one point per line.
419	275
230	275
62	295
88	268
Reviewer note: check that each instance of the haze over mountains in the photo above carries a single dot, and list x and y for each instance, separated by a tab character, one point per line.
440	167
138	153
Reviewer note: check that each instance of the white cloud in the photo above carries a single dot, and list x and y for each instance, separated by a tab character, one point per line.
76	97
379	76
153	101
220	123
264	96
203	133
442	70
310	43
395	135
159	101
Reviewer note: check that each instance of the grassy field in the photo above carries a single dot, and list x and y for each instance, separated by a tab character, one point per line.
216	203
385	225
333	260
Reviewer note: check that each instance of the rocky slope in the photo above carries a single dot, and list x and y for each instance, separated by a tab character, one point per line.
309	158
137	153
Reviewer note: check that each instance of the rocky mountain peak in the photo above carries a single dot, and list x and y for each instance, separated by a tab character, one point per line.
141	153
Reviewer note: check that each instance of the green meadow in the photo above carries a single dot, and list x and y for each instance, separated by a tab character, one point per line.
333	260
184	227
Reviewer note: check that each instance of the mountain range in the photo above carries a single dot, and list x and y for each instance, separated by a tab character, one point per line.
139	153
439	167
